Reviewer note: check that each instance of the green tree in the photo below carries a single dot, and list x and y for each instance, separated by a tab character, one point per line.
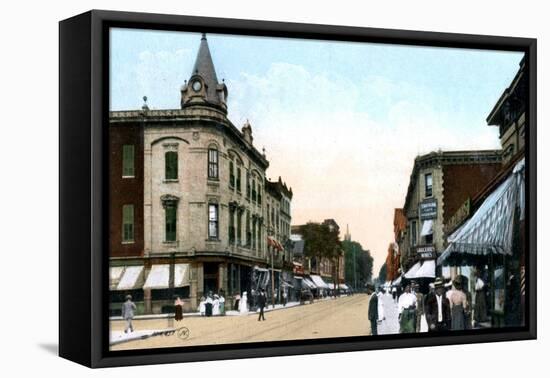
322	242
358	263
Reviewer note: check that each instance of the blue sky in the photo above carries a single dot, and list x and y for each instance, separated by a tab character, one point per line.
345	117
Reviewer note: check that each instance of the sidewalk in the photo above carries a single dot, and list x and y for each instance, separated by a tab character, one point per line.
227	313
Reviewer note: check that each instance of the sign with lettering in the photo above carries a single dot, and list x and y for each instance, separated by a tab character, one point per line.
428	209
458	217
426	252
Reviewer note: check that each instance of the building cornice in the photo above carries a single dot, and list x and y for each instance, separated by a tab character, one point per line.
440	158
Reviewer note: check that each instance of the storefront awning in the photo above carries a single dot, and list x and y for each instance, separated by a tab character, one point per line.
115	274
397	281
344	286
309	284
490	229
132	278
272	242
159	276
411	274
427	227
427	270
318	281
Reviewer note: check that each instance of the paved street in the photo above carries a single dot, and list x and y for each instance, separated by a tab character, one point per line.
344	316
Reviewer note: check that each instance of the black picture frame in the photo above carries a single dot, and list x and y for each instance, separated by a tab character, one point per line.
83	116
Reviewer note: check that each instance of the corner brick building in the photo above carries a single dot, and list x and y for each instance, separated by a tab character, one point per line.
188	201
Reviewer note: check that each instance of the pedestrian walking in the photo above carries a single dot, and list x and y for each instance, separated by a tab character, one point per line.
222	304
373	310
208	305
243	304
438	309
202	306
178	309
262	300
459	305
216	305
480	307
237	302
407	311
419	305
284	298
128	309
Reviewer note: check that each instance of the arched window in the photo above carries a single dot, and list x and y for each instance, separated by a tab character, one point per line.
239	179
212	163
171	165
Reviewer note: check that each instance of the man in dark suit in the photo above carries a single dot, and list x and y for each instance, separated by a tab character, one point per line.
262	300
373	309
438	309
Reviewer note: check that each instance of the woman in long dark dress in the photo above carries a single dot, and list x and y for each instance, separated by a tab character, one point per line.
459	305
178	304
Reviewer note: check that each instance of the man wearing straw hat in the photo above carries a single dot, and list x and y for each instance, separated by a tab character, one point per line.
438	309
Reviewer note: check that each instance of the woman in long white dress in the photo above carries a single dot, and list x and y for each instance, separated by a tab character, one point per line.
243	304
216	305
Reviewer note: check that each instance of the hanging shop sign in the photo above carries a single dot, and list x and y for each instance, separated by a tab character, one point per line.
428	209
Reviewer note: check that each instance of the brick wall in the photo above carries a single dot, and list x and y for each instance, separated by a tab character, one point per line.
123	191
462	181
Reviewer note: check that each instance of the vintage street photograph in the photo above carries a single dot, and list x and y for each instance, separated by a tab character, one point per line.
271	189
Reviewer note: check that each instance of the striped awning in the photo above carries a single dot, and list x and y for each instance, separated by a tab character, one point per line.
308	283
272	242
489	230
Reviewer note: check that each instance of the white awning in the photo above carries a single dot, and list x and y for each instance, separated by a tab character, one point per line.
344	286
427	270
411	274
397	281
330	285
318	281
309	284
132	278
159	276
427	227
115	274
490	229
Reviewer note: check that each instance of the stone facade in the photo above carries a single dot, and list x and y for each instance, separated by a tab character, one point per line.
201	195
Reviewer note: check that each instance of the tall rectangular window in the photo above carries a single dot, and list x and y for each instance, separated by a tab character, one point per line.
248	191
231	174
171	223
212	163
238	179
213	221
171	165
259	195
127	223
413	233
248	234
231	225
239	227
254	190
428	183
128	169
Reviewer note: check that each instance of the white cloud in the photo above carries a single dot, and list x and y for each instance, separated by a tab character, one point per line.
340	161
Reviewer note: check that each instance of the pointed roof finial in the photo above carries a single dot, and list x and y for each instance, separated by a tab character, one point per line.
203	36
145	106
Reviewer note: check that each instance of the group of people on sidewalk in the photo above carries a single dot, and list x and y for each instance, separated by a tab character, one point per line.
212	304
443	309
257	300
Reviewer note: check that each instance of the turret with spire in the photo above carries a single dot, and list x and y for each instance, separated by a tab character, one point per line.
203	87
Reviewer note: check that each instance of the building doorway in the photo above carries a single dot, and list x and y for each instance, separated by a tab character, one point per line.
211	277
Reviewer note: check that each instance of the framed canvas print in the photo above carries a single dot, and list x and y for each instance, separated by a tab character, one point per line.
234	188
